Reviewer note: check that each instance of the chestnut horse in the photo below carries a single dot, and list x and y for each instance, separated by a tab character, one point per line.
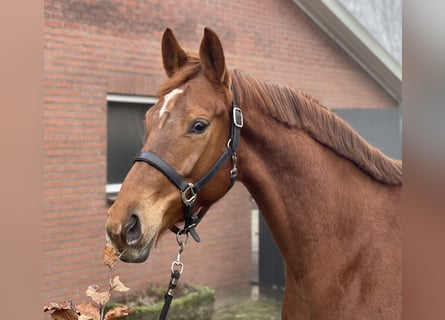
332	201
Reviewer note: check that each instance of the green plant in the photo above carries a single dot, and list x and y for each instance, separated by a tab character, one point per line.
190	302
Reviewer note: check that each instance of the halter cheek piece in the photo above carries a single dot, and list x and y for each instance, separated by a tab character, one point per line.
189	191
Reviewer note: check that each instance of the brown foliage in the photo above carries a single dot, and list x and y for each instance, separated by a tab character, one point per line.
66	310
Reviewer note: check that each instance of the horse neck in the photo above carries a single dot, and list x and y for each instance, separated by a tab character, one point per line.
303	190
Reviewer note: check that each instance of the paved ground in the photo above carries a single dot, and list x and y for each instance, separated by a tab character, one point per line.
256	309
252	310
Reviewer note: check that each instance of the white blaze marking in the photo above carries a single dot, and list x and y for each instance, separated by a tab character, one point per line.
119	229
168	97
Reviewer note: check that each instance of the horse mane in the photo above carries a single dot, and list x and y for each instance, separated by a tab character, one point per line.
293	108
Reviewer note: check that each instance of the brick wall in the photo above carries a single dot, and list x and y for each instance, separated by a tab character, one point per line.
97	47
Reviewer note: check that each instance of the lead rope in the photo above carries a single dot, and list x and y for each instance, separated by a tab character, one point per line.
176	271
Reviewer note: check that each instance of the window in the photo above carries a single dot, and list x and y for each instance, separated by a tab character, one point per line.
125	136
379	127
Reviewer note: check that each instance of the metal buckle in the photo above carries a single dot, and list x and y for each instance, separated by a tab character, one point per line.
189	190
238	120
234	171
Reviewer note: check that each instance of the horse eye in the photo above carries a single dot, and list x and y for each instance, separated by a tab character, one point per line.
199	126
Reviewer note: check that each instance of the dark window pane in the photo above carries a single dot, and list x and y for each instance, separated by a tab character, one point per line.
380	127
125	123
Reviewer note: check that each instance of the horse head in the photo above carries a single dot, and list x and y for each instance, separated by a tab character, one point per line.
188	128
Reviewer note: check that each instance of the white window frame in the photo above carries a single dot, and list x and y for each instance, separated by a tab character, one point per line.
114	188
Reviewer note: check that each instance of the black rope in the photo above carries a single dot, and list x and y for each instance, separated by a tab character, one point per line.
169	295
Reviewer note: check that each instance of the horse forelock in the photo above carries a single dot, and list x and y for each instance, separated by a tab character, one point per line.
293	108
190	70
187	72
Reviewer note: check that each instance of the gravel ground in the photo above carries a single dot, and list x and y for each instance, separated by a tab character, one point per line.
252	310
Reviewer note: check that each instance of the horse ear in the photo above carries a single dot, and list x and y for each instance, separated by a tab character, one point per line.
212	56
173	56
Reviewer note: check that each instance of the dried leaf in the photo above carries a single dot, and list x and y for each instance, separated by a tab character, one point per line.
62	310
109	255
88	311
99	297
117	312
64	315
117	285
61	305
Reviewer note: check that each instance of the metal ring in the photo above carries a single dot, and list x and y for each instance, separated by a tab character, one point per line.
190	189
179	234
229	142
177	266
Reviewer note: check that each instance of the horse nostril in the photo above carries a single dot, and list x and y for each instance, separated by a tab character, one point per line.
134	231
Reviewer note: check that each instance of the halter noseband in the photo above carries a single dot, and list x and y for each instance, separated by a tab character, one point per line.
189	191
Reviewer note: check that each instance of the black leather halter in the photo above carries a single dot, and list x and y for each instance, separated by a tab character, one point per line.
189	191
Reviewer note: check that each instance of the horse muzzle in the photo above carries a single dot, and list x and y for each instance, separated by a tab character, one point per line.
134	255
129	240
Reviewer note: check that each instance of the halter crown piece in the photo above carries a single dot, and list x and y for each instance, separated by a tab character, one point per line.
189	191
